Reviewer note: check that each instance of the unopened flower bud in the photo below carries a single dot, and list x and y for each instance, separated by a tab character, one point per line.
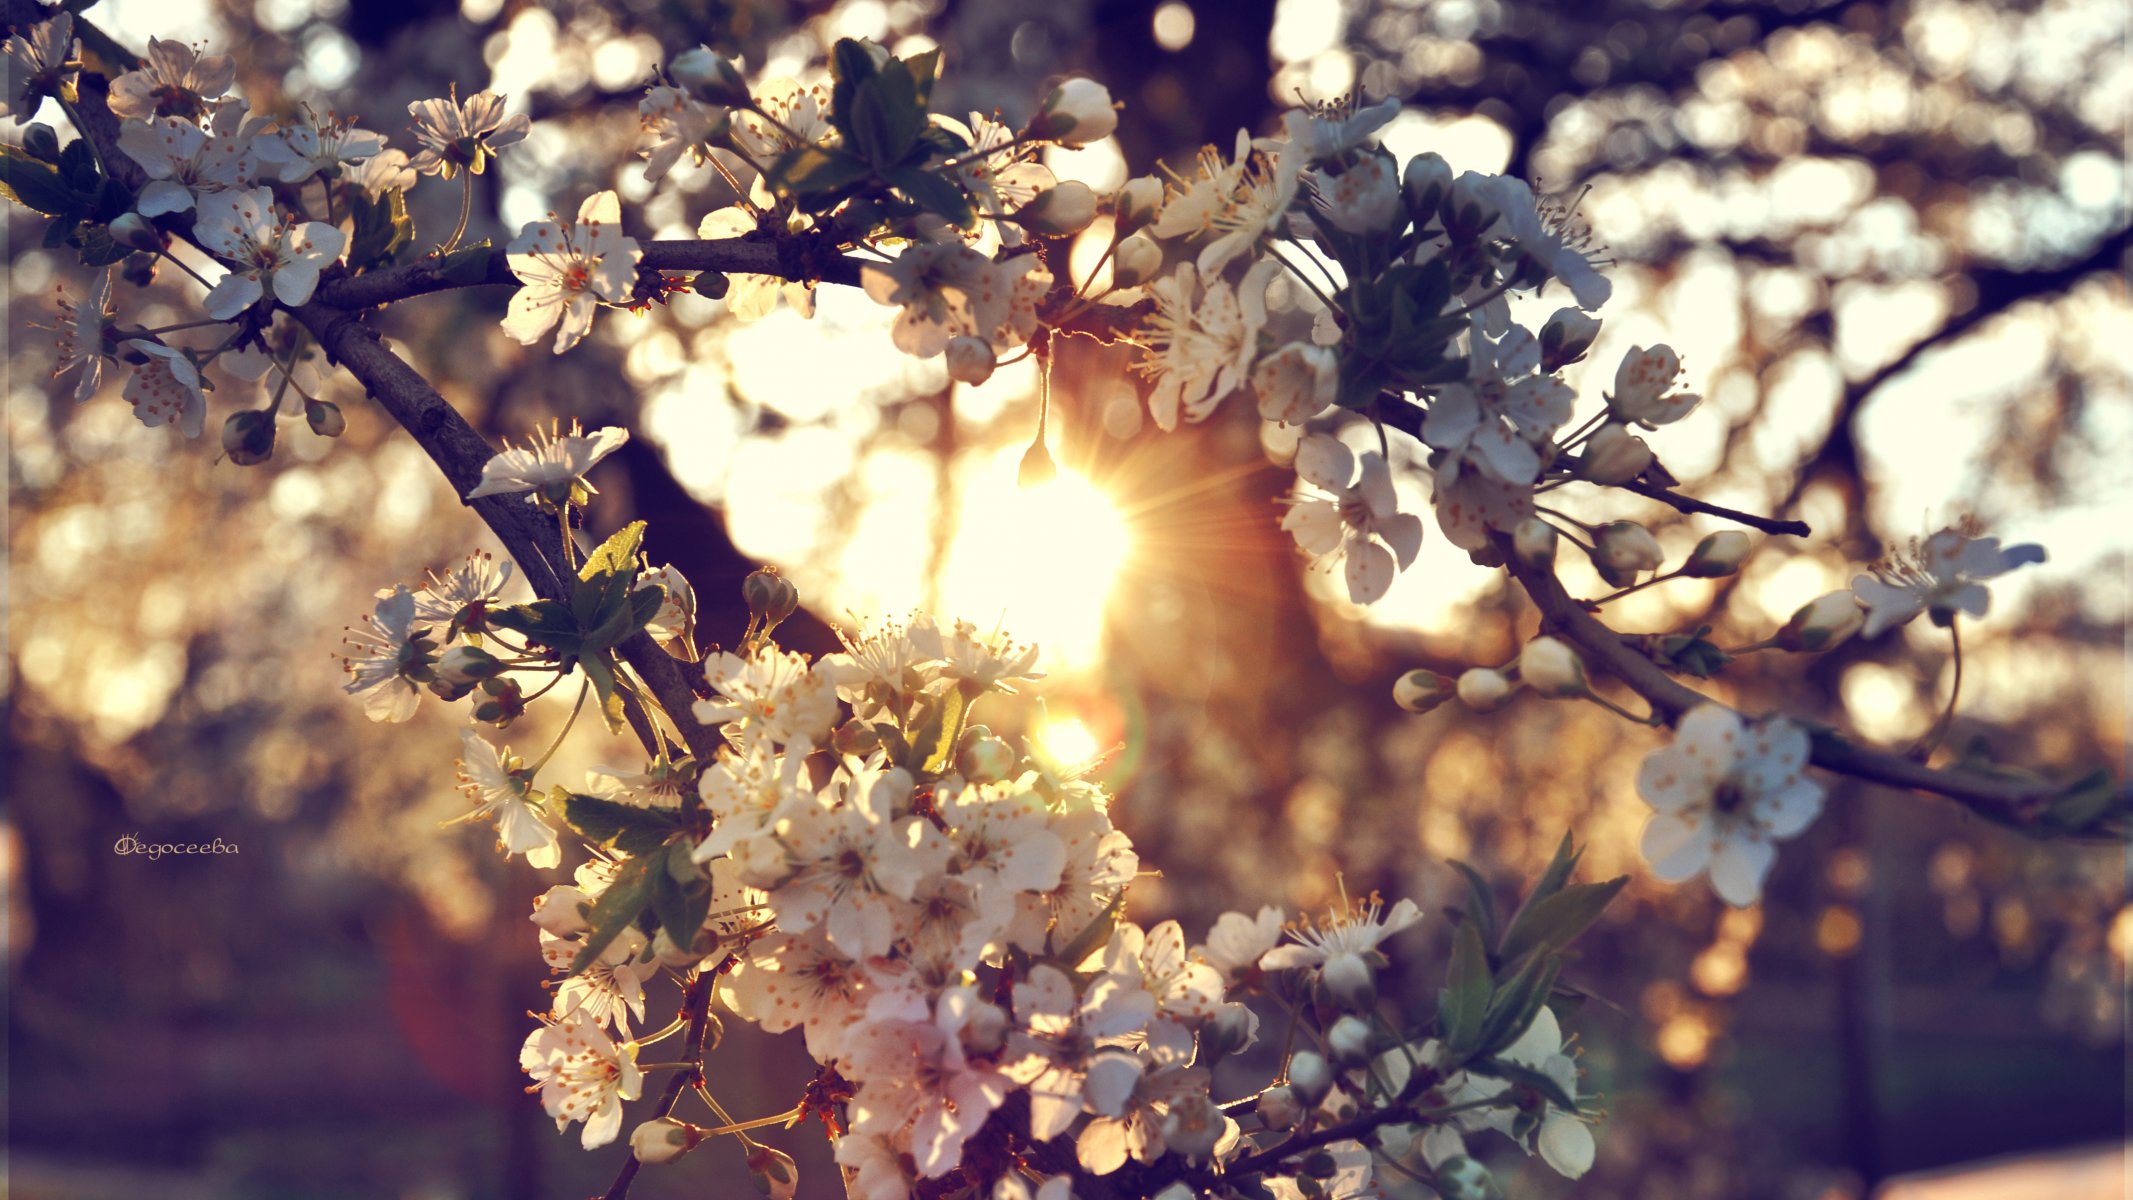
774	1172
42	142
1468	208
1614	455
770	596
1066	208
1462	1178
139	269
969	360
1076	113
1136	203
664	1140
1136	260
467	664
1310	1077
855	738
1427	181
1421	691
1484	689
136	232
1193	1126
1349	1040
1279	1108
711	285
1717	555
1822	623
710	77
1552	669
1233	1027
1566	337
324	417
1625	548
1349	981
248	437
1533	541
983	758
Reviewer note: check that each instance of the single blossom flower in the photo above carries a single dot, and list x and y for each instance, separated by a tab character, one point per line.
1356	929
582	1075
177	81
184	164
82	345
1940	576
550	461
772	691
165	389
456	136
567	268
1644	388
1723	795
311	144
675	123
465	593
264	250
499	785
1359	524
1545	235
386	649
1201	340
38	65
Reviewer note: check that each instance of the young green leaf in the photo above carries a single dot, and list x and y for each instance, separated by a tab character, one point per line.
617	907
631	829
1554	922
1465	1000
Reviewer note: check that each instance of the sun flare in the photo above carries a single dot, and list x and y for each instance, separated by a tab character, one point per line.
1043	559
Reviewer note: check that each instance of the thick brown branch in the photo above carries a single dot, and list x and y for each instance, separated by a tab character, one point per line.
2011	801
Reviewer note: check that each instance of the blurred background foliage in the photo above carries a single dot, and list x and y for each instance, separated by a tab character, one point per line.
1889	239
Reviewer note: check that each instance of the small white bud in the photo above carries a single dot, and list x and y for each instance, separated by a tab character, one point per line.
1566	337
1427	180
1310	1077
1076	113
1470	210
1279	1109
1349	1040
1137	203
1349	981
1552	668
775	1174
467	664
561	911
970	360
1717	555
1057	211
136	231
1614	455
1462	1178
1822	623
1136	261
1533	541
1297	382
664	1140
1234	1027
1421	691
1625	548
710	77
986	1030
1484	689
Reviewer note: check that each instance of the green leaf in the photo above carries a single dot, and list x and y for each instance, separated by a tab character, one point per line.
925	69
933	738
681	895
851	64
1482	901
381	228
34	184
1096	933
1527	1077
932	192
886	115
609	697
1556	921
816	171
1556	874
77	166
617	907
97	248
1517	1002
468	265
1465	999
634	613
547	622
631	829
604	582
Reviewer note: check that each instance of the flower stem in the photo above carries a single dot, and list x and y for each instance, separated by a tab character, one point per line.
466	209
1931	742
564	732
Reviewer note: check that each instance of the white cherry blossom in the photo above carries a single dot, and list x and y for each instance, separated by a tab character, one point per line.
551	460
1723	795
1201	341
582	1076
568	268
165	388
176	81
498	785
455	135
264	249
1940	576
1359	523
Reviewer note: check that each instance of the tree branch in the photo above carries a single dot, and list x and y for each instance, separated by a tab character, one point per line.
2009	801
811	257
